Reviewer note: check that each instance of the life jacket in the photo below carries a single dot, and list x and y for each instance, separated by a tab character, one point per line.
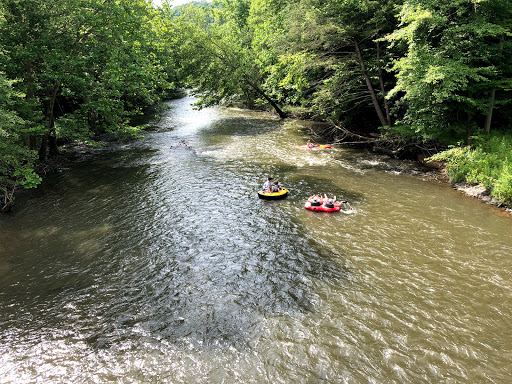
315	204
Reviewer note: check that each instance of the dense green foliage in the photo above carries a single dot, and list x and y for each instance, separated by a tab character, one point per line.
81	68
407	70
423	69
487	162
457	60
16	161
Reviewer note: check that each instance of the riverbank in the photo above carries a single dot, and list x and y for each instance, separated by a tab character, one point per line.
482	169
75	151
478	191
69	153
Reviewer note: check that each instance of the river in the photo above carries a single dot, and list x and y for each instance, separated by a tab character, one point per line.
154	261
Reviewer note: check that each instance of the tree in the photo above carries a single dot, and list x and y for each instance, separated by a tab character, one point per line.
98	57
288	70
217	55
83	67
16	160
358	27
450	72
329	56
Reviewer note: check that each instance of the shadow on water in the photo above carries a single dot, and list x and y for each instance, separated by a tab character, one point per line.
151	119
209	309
217	300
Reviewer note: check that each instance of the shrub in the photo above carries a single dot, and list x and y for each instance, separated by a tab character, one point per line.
487	162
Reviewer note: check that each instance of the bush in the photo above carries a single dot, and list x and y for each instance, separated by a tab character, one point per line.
487	162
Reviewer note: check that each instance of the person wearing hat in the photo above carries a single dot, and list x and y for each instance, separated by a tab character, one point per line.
267	187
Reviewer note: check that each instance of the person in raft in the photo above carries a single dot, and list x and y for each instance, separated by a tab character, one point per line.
267	187
276	187
315	200
310	144
329	203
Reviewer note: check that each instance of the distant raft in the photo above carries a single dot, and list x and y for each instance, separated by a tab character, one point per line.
327	146
273	195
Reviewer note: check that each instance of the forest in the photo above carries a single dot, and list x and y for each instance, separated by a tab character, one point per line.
409	77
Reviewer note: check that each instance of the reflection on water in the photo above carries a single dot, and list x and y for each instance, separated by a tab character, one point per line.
156	262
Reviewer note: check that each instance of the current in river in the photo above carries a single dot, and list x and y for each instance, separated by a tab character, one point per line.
154	261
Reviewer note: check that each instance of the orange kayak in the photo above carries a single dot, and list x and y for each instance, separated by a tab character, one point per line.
315	147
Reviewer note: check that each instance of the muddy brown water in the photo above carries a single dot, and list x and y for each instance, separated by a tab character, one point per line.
154	261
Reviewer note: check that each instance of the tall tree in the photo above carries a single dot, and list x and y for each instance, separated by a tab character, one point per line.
331	55
359	26
99	56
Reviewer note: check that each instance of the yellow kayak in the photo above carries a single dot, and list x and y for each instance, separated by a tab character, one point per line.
273	195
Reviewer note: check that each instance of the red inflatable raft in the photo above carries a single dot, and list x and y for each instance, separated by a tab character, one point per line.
322	207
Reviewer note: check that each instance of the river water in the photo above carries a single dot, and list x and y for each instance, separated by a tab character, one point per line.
155	261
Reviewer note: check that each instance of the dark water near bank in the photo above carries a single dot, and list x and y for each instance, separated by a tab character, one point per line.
155	261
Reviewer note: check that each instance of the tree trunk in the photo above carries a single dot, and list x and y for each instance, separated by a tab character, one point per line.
274	105
490	109
469	122
468	129
227	60
382	89
7	201
371	90
54	148
43	149
32	140
51	136
91	120
492	97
